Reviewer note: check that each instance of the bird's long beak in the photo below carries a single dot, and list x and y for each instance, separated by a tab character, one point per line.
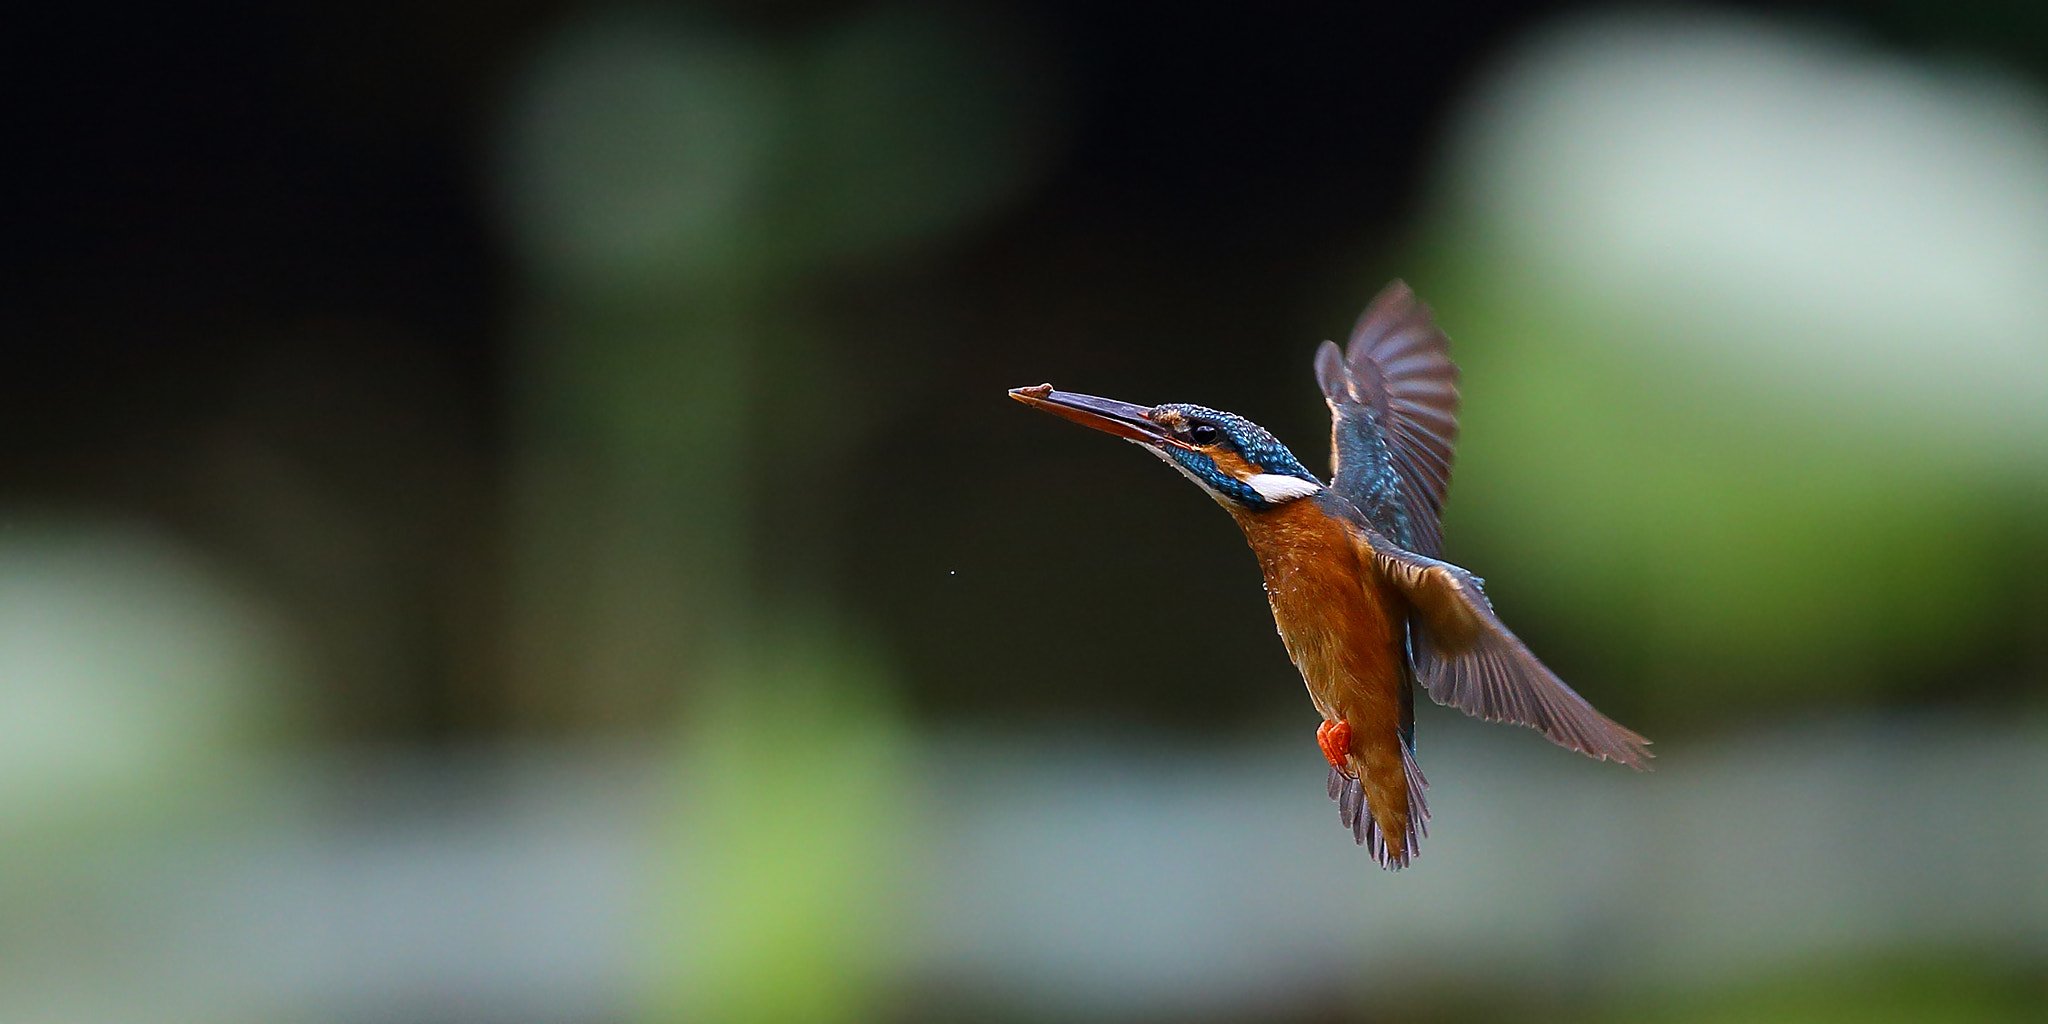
1123	419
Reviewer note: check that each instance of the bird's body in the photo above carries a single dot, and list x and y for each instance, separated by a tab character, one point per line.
1345	629
1362	604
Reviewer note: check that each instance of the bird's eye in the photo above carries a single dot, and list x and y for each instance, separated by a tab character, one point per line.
1203	434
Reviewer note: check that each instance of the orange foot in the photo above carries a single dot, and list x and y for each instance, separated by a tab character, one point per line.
1335	739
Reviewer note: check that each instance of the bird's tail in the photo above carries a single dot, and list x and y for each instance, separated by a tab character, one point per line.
1364	823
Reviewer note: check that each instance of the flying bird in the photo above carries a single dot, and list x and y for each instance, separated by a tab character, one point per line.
1364	606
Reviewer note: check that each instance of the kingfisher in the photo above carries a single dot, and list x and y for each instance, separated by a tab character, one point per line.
1364	605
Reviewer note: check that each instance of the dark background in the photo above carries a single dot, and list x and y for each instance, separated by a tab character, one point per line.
744	565
271	224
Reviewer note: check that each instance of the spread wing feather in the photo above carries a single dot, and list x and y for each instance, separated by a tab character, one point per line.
1467	659
1393	396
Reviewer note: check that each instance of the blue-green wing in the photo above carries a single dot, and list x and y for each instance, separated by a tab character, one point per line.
1393	396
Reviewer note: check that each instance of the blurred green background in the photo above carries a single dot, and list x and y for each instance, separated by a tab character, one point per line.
508	512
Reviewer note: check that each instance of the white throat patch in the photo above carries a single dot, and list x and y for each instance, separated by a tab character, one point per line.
1280	489
1273	487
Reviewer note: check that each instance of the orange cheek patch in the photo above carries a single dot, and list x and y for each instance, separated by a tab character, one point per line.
1234	464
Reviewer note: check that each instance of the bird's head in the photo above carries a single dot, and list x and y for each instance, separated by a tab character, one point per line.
1235	460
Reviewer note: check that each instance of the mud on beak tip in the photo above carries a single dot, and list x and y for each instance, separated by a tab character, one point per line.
1121	419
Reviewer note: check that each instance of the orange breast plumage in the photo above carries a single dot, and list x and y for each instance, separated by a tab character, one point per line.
1345	630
